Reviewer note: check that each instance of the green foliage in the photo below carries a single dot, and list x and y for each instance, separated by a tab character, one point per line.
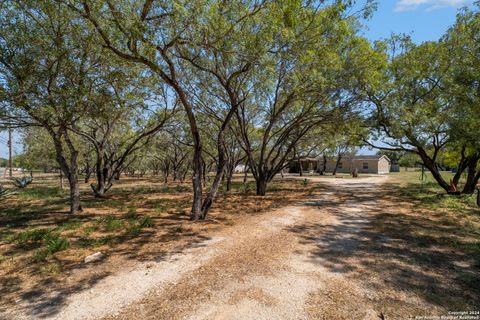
56	244
50	241
146	222
110	223
41	193
40	255
428	101
22	182
133	230
33	236
69	225
131	214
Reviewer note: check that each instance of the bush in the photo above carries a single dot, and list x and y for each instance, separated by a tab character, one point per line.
22	182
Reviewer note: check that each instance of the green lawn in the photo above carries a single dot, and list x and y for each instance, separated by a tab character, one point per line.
428	193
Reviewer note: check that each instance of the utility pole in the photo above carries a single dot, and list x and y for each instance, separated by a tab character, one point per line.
10	151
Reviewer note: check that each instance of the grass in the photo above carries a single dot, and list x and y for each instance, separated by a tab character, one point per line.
140	219
109	223
32	236
429	194
41	193
51	245
439	223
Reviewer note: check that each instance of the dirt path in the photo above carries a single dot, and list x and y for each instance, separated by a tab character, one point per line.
299	262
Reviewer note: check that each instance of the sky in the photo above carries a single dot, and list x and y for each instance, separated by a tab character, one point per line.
424	20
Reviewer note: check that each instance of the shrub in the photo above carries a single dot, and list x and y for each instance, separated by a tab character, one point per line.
22	182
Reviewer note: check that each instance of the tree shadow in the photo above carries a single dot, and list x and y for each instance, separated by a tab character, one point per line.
170	234
383	239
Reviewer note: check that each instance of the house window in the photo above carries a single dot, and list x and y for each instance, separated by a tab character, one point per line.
365	165
340	165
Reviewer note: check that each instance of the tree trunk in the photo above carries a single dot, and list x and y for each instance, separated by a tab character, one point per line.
67	168
229	178
99	189
261	184
245	174
463	164
432	167
197	180
472	178
101	173
88	174
324	165
75	205
337	164
165	177
221	165
301	167
478	197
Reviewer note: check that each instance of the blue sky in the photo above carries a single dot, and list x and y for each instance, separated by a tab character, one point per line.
423	19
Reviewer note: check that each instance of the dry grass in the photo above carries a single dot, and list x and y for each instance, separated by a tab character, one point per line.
42	247
416	251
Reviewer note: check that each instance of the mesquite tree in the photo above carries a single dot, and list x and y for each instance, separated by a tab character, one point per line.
419	109
123	118
47	66
463	87
308	81
222	39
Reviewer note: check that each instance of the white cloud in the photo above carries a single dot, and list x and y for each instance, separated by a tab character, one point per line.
410	5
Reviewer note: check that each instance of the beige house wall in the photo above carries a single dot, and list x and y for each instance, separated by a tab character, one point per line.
380	166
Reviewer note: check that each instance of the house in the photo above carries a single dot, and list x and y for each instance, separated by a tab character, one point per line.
378	164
